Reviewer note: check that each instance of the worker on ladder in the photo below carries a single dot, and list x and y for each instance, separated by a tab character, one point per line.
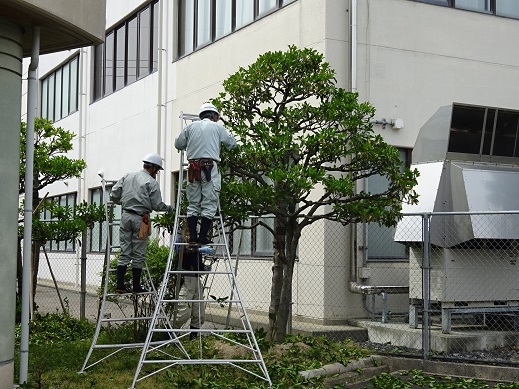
139	194
202	140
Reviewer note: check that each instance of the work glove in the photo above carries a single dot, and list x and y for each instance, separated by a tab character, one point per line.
169	211
207	267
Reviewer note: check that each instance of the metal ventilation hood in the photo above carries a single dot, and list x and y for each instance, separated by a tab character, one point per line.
447	185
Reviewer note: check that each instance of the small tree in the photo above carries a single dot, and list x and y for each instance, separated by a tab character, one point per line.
50	165
304	144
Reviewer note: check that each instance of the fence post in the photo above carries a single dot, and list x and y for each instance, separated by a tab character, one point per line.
82	303
426	268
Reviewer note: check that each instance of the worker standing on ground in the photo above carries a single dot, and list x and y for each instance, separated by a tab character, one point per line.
202	140
139	194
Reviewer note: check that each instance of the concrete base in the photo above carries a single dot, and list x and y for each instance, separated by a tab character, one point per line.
462	339
7	374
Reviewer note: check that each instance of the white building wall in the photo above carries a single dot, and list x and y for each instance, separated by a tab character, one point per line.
412	59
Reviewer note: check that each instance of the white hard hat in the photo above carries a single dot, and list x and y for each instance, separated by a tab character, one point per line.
154	159
207	107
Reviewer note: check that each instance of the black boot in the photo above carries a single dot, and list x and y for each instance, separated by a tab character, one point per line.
121	289
193	335
137	281
205	226
192	222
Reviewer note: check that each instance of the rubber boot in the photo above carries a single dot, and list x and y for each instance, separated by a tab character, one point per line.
193	335
137	281
205	226
192	222
121	289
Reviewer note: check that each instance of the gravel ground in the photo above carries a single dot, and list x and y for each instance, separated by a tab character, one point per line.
502	355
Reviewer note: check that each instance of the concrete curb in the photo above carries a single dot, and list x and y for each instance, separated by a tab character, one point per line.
339	368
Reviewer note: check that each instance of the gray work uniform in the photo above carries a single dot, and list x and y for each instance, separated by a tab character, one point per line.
138	193
202	139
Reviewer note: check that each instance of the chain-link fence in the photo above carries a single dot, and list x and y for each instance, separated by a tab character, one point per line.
438	285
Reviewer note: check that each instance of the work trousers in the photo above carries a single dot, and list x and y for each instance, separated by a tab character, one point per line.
133	249
202	196
191	289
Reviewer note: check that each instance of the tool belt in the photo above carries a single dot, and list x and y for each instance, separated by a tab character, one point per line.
145	227
197	166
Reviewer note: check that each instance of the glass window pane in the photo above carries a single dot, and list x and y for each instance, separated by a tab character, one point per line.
74	67
203	23
285	2
98	71
474	5
489	131
223	17
244	12
51	97
508	8
132	50
381	244
186	26
144	42
44	93
120	56
505	138
264	238
155	38
57	96
266	6
242	242
109	64
466	129
66	90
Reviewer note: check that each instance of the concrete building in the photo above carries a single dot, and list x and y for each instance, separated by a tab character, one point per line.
161	58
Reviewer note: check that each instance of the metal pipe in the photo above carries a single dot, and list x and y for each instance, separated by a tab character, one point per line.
377	289
426	266
32	94
82	304
353	32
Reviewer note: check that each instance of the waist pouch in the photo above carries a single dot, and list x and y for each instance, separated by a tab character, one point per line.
197	166
145	227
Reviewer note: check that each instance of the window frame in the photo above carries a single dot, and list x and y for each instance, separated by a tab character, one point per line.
106	82
452	4
182	45
52	101
67	246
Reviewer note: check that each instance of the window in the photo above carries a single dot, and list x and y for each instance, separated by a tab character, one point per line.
99	230
129	53
201	22
59	91
506	8
484	131
256	242
380	243
66	200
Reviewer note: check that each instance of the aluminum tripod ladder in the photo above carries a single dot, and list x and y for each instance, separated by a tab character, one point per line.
130	299
247	356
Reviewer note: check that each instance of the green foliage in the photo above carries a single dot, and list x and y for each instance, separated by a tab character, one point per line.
50	162
56	329
298	131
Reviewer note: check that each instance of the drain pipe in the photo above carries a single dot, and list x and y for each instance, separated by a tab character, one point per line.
32	93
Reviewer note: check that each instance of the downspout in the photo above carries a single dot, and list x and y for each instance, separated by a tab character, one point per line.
161	105
355	287
32	94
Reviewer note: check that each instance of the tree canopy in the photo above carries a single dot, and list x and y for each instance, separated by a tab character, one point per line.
304	146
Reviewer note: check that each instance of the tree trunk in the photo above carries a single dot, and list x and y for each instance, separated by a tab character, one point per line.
282	276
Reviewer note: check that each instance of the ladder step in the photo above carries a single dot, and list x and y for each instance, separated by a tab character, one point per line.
129	345
198	272
199	301
138	318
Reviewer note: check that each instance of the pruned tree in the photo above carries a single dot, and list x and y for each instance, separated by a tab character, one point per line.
304	144
51	164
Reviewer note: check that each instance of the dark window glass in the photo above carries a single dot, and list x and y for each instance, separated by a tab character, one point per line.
120	58
74	83
132	50
508	8
506	133
223	18
144	42
67	200
186	26
489	130
155	37
109	64
466	129
203	23
99	71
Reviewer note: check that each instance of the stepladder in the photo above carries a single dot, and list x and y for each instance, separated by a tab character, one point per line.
133	310
200	279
